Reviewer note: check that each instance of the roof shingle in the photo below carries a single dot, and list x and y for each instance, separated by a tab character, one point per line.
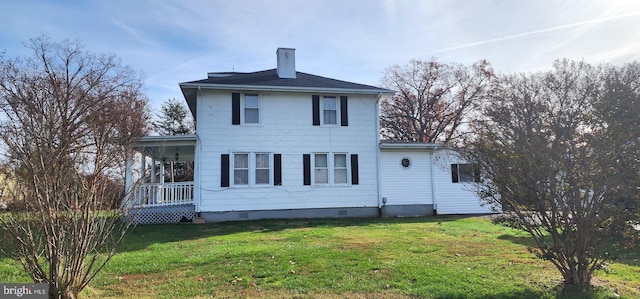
270	78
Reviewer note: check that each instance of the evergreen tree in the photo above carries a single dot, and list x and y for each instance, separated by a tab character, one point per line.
175	119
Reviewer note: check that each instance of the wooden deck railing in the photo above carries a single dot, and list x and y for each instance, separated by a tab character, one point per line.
163	194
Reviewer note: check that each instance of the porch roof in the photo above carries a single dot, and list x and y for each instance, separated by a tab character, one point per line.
168	148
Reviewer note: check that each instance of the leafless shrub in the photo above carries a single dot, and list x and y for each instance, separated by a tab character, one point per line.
68	119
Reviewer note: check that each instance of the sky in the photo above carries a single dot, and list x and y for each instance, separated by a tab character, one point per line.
173	41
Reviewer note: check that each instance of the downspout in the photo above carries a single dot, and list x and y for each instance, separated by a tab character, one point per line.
196	161
380	203
196	175
433	181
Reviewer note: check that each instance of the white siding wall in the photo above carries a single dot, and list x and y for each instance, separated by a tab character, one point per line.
405	186
285	128
453	198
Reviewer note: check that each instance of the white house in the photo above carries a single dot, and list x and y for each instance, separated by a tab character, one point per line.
285	144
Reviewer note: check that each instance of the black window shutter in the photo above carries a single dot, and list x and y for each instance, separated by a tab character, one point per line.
224	170
454	173
344	114
355	180
235	108
316	109
277	169
306	161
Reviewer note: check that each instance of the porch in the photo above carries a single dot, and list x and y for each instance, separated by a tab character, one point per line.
162	194
157	192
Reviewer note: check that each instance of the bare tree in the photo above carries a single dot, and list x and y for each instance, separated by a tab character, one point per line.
550	158
434	100
68	119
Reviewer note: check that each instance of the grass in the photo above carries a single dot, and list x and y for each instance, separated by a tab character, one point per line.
437	257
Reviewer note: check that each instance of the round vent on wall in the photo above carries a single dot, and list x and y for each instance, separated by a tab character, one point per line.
405	162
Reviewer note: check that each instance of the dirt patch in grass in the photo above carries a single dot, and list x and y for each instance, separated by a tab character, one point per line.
261	294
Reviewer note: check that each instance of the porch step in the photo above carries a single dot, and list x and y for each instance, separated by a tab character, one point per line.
199	220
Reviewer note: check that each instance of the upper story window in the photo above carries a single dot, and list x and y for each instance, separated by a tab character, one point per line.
251	109
329	111
245	108
464	173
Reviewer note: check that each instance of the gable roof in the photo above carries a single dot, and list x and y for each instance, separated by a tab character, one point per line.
268	80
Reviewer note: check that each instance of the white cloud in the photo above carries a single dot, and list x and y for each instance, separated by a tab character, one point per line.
173	41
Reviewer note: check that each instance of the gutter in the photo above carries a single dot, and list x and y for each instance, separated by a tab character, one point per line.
378	92
162	139
414	146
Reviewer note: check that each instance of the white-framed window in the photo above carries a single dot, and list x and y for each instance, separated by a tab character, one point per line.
329	110
330	169
262	169
464	173
340	169
252	169
251	108
321	168
240	169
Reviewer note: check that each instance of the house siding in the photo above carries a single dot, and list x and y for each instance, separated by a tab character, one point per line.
454	198
405	186
285	128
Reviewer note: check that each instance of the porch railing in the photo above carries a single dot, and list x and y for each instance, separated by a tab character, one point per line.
163	194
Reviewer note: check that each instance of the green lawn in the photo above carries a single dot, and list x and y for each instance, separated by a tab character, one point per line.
436	257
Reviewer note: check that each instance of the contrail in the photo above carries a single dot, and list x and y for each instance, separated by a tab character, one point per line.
503	38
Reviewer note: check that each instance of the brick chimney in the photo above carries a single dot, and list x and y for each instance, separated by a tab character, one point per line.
286	63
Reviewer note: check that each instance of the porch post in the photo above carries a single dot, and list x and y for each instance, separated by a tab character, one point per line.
161	172
160	189
143	168
128	178
153	171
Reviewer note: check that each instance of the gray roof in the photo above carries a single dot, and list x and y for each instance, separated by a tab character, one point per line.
268	80
407	145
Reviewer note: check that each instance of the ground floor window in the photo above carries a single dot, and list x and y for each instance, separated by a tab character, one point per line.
250	169
330	169
464	173
321	168
241	169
